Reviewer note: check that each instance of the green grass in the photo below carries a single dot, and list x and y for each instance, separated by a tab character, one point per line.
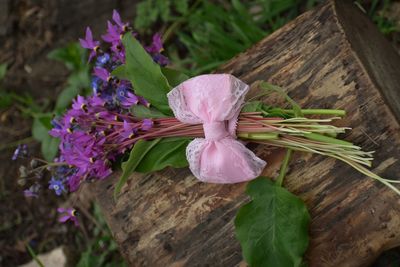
201	35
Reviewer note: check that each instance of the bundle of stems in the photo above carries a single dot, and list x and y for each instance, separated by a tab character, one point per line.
315	135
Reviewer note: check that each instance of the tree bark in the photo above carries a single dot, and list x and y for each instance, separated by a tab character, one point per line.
330	57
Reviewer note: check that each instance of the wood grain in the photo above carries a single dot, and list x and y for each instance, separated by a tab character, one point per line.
330	57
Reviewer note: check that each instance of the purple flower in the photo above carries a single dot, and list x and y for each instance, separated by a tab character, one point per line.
147	124
96	85
157	45
79	103
143	101
117	19
101	169
113	35
74	182
29	193
32	191
161	60
103	59
68	214
20	151
57	186
129	129
102	73
126	98
96	101
89	43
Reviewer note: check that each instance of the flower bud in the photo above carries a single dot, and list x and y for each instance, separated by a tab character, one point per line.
21	182
34	163
23	173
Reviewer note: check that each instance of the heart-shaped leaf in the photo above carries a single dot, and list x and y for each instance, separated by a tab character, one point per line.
273	227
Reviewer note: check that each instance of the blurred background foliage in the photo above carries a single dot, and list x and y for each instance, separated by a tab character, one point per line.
199	36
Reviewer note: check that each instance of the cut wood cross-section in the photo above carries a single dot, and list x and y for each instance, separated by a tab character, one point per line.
330	57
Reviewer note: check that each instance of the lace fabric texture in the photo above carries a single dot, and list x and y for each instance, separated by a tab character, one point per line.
215	100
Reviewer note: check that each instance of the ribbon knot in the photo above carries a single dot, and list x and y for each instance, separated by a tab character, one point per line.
215	130
215	100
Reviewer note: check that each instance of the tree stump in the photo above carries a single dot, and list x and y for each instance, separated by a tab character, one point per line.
330	57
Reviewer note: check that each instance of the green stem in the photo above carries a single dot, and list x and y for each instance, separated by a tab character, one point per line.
326	139
336	112
284	166
33	254
259	136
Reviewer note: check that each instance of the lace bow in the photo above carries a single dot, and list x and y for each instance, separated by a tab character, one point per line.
215	100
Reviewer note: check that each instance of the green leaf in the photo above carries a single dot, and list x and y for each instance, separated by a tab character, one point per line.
140	111
140	149
169	152
145	75
65	97
40	131
76	83
120	72
3	71
273	227
174	77
49	147
73	56
40	128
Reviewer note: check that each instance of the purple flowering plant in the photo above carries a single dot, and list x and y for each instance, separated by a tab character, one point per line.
96	130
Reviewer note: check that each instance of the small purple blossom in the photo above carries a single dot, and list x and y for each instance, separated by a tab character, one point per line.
157	45
103	59
96	85
147	124
113	35
73	182
28	193
68	214
32	191
129	129
89	43
20	152
143	101
57	186
102	73
161	59
117	19
126	98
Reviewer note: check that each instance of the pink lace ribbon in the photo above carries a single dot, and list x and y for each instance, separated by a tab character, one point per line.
215	100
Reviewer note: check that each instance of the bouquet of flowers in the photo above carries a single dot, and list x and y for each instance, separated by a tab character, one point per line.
144	116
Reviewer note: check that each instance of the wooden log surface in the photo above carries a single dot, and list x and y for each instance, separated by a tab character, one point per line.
330	57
